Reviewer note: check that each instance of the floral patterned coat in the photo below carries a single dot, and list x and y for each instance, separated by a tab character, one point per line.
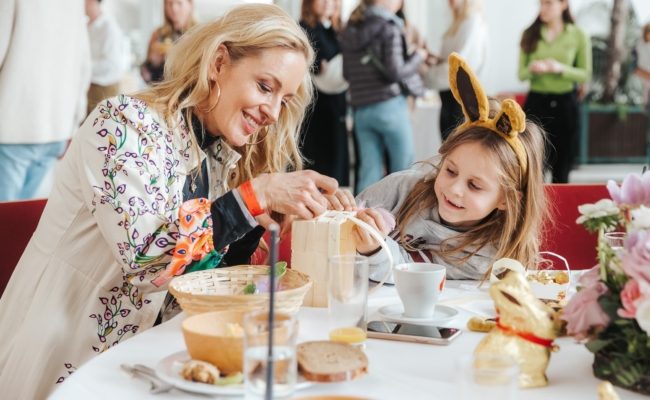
96	270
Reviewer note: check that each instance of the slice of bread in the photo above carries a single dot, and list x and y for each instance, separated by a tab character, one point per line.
326	361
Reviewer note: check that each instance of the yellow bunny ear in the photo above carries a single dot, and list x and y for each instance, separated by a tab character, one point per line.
509	123
467	90
511	120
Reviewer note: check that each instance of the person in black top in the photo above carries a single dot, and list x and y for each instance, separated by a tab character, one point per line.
324	141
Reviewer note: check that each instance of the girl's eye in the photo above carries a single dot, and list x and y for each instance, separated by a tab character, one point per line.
264	87
472	185
451	172
284	103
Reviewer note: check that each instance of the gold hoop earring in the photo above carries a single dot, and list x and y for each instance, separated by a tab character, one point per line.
218	98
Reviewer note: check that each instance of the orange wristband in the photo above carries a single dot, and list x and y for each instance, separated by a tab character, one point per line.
248	195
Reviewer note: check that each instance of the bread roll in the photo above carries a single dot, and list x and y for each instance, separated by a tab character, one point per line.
326	361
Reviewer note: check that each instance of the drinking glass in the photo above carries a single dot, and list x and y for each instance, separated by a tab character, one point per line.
615	240
256	354
488	377
347	298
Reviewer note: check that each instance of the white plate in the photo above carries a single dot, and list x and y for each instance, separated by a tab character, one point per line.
395	312
169	368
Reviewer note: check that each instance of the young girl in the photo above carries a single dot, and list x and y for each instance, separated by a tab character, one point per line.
483	199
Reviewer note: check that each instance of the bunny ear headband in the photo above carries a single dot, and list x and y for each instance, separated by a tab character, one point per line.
468	92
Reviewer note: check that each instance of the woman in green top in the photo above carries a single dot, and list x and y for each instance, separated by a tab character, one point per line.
556	57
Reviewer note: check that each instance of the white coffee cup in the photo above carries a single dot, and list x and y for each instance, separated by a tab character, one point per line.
419	285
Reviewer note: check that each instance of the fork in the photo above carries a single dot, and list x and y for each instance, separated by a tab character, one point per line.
157	385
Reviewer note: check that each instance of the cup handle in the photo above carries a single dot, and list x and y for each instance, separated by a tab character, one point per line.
377	236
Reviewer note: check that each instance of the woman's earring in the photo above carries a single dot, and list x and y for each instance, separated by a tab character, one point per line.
218	97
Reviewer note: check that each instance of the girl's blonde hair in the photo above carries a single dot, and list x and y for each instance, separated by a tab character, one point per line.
167	29
516	231
468	8
245	31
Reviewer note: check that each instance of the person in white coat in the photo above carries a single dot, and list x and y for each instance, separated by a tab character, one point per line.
44	77
468	36
110	53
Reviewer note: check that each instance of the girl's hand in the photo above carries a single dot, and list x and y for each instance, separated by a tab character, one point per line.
301	193
341	200
367	244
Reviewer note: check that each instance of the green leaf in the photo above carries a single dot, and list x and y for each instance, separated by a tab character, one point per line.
280	269
250	288
596	345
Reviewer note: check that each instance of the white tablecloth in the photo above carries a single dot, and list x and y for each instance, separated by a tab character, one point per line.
397	370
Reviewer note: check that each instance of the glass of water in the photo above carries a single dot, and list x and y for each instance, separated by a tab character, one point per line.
256	354
347	298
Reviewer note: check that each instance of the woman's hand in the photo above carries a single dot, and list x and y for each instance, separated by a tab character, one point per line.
367	244
538	67
341	200
301	193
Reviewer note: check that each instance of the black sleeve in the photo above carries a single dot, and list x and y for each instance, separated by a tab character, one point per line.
240	251
229	224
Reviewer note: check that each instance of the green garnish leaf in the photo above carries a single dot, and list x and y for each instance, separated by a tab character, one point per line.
250	288
280	269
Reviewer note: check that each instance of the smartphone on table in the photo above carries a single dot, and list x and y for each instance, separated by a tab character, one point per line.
412	333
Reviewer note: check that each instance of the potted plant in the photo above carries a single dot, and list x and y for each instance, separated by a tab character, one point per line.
613	122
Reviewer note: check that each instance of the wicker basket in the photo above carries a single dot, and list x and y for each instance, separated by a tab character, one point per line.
222	289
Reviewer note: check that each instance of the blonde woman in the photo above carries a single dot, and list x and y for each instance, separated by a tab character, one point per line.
178	19
468	36
172	179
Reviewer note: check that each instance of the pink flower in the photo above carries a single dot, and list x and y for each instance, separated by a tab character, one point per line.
629	296
634	191
590	277
584	313
636	260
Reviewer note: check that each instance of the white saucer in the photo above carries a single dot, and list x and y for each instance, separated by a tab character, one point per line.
168	370
395	312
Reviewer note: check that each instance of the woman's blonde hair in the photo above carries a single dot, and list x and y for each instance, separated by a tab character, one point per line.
516	231
167	29
468	8
245	31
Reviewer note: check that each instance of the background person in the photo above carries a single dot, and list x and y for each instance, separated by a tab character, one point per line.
324	143
178	19
381	76
109	52
44	76
555	56
468	36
